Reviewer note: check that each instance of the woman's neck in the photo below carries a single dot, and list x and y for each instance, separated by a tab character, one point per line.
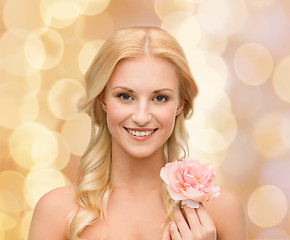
134	174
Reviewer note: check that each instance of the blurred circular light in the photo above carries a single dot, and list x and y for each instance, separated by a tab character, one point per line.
189	33
173	21
196	123
165	7
63	155
16	107
237	16
213	158
13	91
40	181
4	135
213	14
46	117
35	51
12	53
211	92
6	222
193	126
281	79
11	185
267	138
246	101
208	140
253	63
58	14
22	14
8	202
260	3
91	7
44	48
87	54
13	182
238	167
273	234
217	63
209	77
25	224
225	123
267	206
44	149
285	130
222	17
85	31
21	142
77	132
63	98
276	172
212	98
31	83
196	59
216	43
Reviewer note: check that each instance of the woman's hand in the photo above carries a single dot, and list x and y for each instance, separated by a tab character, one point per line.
190	224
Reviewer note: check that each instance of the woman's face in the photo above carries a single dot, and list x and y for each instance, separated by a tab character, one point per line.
141	101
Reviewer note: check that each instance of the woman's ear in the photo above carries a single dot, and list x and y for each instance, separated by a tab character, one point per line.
179	109
102	101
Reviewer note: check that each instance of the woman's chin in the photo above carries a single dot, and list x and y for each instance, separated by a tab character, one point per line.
143	153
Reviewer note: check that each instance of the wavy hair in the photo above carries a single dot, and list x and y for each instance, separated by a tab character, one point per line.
93	186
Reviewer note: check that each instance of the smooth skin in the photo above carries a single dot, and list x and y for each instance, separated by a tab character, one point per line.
142	94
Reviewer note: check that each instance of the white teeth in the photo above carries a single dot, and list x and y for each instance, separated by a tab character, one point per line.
140	134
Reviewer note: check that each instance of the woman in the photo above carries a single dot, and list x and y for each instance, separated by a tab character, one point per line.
139	92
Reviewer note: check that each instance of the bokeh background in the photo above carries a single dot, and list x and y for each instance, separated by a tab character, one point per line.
239	53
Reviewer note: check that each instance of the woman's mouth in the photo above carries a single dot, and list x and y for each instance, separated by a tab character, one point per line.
140	133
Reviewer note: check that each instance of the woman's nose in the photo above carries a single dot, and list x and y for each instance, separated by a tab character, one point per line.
142	114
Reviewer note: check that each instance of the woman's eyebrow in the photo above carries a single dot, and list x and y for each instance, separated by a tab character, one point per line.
132	91
162	89
125	88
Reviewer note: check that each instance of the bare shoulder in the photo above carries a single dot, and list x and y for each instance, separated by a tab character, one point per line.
51	213
228	213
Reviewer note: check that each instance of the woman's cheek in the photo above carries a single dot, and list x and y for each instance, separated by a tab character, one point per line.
116	114
167	116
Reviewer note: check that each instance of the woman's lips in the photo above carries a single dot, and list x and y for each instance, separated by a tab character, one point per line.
141	134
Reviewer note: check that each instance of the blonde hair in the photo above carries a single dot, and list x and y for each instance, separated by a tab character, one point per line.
93	186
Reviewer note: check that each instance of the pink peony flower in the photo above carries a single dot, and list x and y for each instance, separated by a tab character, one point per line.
190	182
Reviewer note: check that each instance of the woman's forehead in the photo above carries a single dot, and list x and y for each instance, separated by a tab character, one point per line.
145	70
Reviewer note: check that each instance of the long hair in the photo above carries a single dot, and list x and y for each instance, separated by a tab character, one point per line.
93	186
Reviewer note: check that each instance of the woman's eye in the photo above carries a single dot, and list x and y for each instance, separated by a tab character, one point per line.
160	98
124	96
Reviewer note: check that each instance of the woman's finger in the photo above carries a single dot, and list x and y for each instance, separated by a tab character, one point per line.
180	222
174	233
192	218
207	223
166	233
204	218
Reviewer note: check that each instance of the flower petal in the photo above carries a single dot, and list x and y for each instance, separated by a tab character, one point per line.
164	174
174	194
194	194
190	203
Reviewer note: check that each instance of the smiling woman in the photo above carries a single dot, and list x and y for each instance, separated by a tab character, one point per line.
139	91
141	108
